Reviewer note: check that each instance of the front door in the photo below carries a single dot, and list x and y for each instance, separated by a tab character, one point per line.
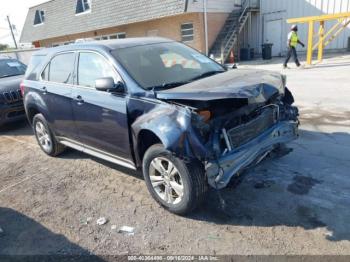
100	117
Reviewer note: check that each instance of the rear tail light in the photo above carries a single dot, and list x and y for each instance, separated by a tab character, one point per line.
22	87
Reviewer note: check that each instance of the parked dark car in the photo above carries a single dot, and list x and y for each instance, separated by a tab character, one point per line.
11	103
160	106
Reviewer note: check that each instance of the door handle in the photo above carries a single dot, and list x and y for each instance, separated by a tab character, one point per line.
79	100
44	89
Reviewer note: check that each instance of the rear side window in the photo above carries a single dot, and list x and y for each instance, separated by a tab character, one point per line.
60	69
34	63
91	67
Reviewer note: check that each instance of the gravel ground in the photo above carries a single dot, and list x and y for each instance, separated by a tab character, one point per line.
298	204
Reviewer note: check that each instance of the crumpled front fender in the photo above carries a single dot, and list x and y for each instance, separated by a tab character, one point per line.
172	125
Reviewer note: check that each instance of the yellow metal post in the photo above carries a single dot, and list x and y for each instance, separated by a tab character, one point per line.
320	42
309	45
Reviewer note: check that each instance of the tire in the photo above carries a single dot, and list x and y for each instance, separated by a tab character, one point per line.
45	137
190	177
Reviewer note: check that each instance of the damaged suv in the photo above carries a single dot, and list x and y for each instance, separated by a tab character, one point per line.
160	106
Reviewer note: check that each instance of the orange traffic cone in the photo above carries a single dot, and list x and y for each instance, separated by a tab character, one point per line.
232	59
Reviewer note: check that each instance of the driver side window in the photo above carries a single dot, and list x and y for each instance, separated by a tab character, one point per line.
92	66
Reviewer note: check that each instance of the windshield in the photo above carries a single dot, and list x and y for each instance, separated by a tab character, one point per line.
11	67
165	65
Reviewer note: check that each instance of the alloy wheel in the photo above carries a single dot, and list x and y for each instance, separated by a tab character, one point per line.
166	180
43	136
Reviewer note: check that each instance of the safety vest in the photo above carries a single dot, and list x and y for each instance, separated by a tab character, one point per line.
294	39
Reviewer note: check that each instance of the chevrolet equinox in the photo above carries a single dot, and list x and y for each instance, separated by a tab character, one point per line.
159	106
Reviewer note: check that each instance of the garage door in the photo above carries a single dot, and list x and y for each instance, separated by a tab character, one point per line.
273	34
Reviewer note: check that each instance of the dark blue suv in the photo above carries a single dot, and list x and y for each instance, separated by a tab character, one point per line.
160	106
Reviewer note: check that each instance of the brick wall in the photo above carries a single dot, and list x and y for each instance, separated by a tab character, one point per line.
169	27
215	22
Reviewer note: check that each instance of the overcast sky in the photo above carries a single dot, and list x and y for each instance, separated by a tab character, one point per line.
17	10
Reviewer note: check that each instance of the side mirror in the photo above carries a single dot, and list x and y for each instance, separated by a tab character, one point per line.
107	84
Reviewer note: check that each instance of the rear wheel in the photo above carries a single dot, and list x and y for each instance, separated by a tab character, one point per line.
45	137
177	186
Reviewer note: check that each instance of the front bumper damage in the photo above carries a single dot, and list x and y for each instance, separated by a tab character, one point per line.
220	171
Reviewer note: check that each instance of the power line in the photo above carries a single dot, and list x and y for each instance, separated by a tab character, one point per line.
11	28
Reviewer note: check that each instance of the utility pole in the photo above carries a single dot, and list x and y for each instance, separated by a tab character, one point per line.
13	36
206	26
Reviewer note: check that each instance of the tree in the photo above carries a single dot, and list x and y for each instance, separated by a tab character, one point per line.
3	47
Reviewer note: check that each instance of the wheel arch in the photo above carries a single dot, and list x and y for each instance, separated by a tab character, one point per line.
31	112
146	138
34	104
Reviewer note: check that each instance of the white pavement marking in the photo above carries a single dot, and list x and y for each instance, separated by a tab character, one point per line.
19	141
16	184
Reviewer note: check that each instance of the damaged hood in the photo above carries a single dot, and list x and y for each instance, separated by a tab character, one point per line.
255	85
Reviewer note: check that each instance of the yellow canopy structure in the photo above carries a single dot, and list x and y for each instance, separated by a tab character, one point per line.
324	38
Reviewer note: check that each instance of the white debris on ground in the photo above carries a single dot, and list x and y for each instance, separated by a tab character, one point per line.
114	227
101	221
126	230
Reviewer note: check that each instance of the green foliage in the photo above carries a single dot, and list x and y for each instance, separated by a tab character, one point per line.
3	47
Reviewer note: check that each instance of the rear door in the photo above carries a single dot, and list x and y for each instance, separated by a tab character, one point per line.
100	117
56	90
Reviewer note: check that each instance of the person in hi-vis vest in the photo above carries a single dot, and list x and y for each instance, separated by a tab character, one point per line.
293	41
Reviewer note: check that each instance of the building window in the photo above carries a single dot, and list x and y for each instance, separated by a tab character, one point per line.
39	17
187	32
83	6
121	35
114	36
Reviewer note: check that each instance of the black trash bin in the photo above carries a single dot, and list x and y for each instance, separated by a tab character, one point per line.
245	55
267	51
252	52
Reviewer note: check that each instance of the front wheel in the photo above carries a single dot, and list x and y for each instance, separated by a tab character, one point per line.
179	187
